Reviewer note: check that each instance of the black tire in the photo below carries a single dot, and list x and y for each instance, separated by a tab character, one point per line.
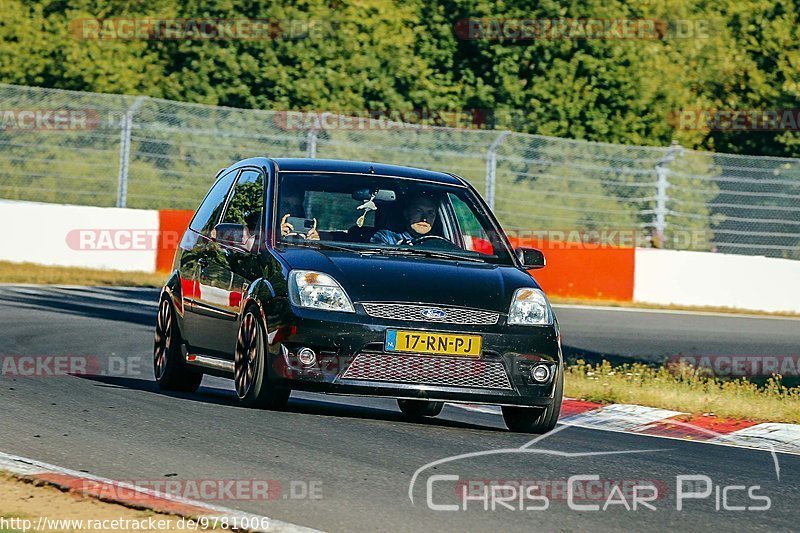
170	371
250	371
420	408
536	419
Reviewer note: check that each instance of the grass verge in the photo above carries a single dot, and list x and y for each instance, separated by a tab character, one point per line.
683	389
52	275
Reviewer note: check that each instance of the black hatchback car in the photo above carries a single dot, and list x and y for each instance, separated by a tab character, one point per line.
358	278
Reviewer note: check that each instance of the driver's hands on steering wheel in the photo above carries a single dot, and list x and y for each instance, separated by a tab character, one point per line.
424	238
436	238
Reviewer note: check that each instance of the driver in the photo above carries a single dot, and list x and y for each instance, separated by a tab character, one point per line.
419	216
291	205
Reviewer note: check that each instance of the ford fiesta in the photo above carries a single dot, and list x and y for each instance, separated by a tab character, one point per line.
358	278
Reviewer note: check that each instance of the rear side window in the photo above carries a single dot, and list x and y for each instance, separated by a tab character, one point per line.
210	210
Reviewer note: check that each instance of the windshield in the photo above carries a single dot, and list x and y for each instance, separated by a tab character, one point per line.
385	215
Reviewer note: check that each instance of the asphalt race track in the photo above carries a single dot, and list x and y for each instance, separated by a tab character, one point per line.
356	456
647	335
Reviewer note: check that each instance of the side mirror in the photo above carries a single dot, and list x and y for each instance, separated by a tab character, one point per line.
235	234
530	257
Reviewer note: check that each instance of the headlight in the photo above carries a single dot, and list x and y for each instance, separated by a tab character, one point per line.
529	307
316	290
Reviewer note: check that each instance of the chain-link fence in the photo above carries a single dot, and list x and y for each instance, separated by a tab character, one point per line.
112	150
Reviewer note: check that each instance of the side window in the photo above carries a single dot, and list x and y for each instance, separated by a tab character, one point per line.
247	202
209	211
475	238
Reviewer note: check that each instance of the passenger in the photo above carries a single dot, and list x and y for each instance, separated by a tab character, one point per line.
291	205
419	216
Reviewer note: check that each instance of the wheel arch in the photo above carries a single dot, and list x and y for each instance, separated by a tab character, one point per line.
259	294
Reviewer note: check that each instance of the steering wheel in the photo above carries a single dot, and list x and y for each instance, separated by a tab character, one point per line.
436	238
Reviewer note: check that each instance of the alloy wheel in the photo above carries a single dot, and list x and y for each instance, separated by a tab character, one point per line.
163	339
246	359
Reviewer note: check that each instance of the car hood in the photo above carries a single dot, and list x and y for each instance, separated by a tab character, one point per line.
414	279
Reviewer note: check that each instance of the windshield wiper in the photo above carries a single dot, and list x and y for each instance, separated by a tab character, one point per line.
319	245
427	253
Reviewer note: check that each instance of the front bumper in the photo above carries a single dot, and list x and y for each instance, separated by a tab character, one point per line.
351	359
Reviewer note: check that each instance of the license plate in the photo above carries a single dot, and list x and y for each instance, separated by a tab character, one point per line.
433	343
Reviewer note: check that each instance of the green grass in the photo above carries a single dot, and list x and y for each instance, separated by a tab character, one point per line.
683	389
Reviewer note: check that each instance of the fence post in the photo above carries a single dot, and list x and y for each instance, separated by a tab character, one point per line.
125	151
662	184
491	167
311	143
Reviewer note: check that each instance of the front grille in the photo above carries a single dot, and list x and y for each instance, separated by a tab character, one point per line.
414	313
443	371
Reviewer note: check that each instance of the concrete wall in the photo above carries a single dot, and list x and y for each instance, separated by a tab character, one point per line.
709	279
68	235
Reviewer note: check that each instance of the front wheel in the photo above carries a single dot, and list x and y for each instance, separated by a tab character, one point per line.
250	373
536	419
170	371
420	408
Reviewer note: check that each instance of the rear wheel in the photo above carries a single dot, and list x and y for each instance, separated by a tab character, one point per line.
250	374
170	371
536	419
420	408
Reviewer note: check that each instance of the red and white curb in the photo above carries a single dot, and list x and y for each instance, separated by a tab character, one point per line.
772	437
133	496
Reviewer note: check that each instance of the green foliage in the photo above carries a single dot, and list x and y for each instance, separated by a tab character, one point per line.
405	55
389	55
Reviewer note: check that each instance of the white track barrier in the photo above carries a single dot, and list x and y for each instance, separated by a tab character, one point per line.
68	235
709	279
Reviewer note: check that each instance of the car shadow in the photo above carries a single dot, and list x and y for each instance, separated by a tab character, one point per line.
572	354
305	406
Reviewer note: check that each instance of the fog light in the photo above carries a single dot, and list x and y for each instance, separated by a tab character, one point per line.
540	373
307	356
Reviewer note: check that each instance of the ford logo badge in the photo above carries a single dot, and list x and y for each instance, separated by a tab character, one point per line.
432	313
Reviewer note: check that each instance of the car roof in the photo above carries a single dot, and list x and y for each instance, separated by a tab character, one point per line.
362	167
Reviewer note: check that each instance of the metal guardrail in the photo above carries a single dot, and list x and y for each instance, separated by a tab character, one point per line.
127	151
